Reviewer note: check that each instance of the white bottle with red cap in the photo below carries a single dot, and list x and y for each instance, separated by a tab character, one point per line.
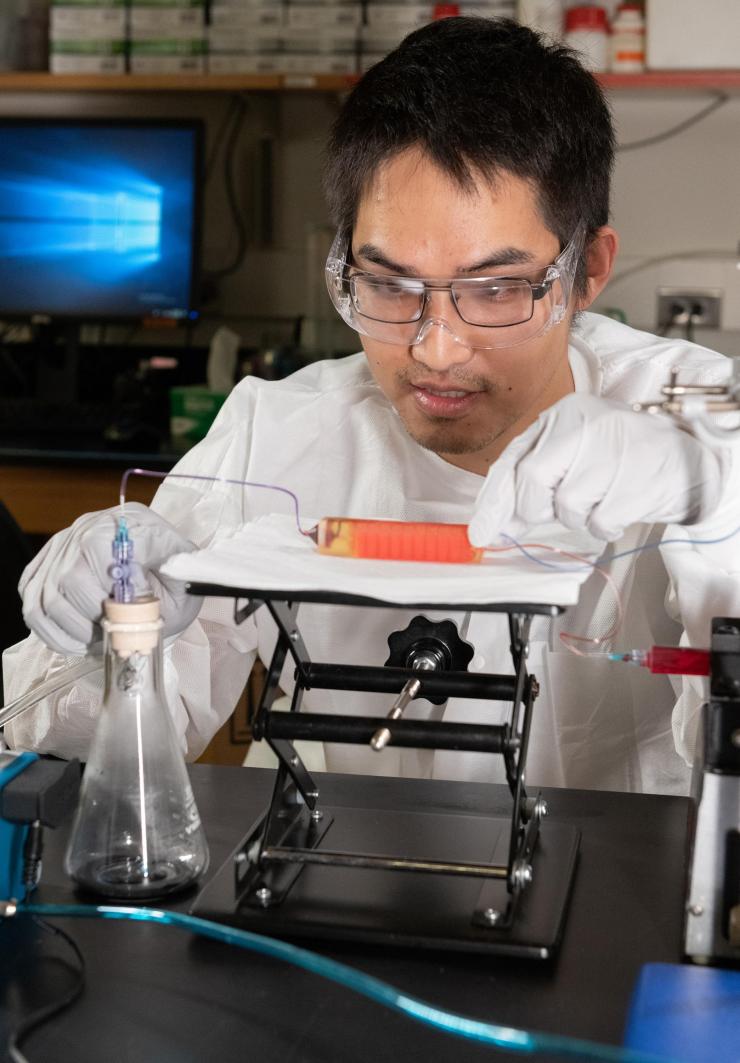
587	32
628	40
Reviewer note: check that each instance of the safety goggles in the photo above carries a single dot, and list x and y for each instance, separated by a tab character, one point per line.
490	311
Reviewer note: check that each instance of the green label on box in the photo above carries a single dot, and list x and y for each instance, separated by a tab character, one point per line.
165	46
94	47
89	3
167	3
193	410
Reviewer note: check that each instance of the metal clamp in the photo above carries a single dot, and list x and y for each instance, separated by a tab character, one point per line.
681	399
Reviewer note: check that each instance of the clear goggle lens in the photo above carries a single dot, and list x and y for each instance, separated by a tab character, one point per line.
490	311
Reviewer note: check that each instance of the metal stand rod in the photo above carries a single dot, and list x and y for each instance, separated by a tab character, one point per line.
387	680
411	734
279	855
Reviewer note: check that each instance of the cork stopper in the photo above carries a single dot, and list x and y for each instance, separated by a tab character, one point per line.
133	627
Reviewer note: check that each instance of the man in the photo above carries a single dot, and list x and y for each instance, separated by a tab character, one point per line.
479	157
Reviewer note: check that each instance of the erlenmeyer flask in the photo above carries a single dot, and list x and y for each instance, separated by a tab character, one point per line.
137	832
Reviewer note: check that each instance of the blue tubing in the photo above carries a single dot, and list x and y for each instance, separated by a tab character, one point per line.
470	1029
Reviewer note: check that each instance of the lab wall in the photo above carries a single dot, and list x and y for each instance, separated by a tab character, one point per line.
675	197
679	196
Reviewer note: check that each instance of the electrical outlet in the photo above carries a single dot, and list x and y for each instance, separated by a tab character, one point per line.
681	306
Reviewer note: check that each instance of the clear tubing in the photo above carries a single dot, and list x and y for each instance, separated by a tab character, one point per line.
521	547
445	1021
88	665
154	475
569	639
50	686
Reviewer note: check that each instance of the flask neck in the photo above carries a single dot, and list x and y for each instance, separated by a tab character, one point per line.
133	650
133	675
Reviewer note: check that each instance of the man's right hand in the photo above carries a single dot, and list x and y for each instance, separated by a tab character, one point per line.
63	588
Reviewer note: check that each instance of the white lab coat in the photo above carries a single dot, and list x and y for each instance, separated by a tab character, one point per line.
328	434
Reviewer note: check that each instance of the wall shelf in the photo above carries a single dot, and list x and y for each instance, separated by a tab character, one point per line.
673	80
43	82
679	80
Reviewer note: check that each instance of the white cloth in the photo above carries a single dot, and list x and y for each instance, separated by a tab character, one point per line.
329	434
274	544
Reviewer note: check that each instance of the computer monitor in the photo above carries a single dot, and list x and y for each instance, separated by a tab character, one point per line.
99	219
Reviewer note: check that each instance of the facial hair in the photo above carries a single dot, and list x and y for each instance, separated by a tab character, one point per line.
439	434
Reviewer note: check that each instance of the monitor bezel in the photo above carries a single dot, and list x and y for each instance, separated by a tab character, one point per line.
192	315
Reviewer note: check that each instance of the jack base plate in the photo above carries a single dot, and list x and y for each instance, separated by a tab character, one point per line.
411	909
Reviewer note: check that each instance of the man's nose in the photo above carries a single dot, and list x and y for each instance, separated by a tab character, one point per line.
438	346
439	343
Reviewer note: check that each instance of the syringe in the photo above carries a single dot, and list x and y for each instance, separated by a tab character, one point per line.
667	660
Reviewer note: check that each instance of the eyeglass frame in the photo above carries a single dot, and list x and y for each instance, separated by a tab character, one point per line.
337	265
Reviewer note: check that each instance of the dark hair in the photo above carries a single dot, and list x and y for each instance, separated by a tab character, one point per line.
480	94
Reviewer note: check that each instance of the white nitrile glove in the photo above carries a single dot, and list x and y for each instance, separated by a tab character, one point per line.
593	463
64	586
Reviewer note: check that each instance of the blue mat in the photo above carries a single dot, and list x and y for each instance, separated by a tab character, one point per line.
686	1014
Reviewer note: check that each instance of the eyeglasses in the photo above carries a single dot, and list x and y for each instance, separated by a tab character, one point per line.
389	308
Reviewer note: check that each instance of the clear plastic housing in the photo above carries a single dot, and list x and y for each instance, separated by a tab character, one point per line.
137	833
547	300
392	540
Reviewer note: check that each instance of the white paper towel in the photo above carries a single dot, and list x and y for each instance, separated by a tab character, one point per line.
270	554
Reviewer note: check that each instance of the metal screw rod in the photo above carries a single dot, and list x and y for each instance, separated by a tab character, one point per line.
277	855
382	737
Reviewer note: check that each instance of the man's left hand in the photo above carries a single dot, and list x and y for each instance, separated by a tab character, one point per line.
592	463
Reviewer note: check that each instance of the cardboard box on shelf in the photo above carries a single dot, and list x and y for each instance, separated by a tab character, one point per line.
312	16
244	41
168	3
254	63
319	63
179	23
86	22
382	15
87	57
228	16
87	4
321	40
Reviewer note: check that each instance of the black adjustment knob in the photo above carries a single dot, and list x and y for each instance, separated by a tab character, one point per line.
428	645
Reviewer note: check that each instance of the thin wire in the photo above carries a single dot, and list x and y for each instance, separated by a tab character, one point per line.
232	197
593	640
216	145
523	548
656	260
153	474
20	1032
719	100
373	988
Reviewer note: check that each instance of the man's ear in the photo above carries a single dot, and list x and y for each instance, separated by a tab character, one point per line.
600	254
